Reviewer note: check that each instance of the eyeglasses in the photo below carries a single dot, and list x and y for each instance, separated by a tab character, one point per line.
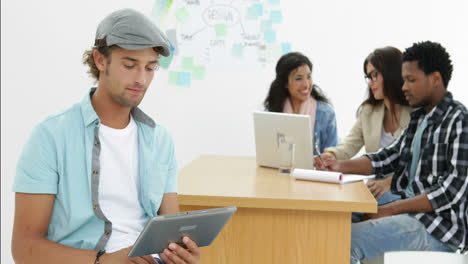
371	76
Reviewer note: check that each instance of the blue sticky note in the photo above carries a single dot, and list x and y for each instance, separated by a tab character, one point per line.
286	47
275	2
252	13
184	78
276	16
270	36
158	9
237	50
265	25
259	8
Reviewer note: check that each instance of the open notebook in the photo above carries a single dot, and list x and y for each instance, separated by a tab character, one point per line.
328	176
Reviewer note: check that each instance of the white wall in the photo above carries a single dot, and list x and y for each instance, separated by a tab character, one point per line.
43	41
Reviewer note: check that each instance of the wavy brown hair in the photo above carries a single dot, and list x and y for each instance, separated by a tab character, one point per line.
88	59
278	91
387	61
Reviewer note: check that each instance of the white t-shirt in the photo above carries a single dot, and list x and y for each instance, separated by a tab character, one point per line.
119	185
386	138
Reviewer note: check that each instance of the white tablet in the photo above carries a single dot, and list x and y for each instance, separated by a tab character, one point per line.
201	226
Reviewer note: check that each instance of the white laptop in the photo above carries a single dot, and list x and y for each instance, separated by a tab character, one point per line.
270	126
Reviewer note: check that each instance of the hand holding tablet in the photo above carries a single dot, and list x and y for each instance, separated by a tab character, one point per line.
200	226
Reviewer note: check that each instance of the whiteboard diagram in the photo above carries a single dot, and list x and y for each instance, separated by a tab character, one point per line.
219	35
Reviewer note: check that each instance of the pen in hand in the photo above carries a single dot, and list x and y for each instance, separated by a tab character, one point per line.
320	155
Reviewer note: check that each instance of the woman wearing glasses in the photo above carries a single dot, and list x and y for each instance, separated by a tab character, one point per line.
292	91
381	117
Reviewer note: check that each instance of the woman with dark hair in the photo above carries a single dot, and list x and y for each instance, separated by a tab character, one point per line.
293	91
381	117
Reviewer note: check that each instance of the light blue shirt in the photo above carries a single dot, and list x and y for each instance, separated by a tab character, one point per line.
415	156
325	126
61	157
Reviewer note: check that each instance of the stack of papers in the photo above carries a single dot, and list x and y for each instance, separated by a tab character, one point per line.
328	176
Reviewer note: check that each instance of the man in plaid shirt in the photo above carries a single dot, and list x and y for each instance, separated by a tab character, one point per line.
429	162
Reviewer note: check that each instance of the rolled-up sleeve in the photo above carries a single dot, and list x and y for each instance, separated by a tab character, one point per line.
385	160
36	170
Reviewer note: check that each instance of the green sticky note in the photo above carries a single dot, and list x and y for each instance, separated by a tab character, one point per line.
237	50
187	63
221	30
198	73
182	14
173	77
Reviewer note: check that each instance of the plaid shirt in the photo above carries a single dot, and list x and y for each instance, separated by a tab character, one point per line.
441	172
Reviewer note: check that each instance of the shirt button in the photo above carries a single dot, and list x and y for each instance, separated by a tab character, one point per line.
95	172
97	123
107	232
95	207
96	143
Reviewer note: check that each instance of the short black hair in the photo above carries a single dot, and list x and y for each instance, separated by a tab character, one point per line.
431	57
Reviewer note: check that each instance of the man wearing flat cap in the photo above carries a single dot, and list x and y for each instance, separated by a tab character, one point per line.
90	177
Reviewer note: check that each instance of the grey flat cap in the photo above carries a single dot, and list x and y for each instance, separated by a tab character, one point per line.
132	30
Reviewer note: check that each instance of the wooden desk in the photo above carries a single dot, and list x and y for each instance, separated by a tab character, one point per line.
278	219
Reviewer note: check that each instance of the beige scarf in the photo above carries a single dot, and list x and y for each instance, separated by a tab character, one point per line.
308	107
